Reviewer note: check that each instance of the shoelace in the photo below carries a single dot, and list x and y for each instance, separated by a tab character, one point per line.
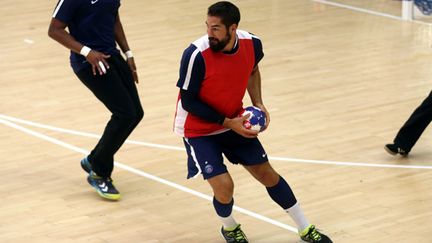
237	234
315	235
107	181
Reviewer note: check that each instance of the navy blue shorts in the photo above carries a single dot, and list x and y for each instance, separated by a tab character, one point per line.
205	153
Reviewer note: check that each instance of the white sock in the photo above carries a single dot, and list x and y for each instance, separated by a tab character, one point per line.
229	222
297	215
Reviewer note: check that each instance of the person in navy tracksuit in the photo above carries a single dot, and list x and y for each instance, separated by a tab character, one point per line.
94	29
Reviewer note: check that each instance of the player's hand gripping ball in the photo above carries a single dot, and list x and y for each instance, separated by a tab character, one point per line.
256	120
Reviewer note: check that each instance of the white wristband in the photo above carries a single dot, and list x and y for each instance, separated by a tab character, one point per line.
85	51
129	54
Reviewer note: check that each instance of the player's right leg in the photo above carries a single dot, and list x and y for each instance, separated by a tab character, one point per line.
111	91
223	202
205	157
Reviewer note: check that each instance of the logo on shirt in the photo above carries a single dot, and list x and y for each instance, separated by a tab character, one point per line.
94	1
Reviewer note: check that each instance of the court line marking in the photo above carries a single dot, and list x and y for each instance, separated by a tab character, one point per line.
146	175
169	147
29	41
363	10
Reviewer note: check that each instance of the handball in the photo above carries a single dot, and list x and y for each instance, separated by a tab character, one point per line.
256	120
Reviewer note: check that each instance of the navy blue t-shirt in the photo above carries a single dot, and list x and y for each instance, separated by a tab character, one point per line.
90	22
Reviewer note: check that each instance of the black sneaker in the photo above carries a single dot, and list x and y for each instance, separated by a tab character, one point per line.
424	6
394	150
85	164
104	186
310	234
234	236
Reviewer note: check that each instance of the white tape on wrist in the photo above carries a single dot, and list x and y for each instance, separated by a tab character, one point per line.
129	54
85	51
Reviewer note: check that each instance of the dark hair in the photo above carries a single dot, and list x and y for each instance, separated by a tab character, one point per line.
228	12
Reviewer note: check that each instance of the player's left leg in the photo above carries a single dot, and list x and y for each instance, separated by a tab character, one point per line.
281	193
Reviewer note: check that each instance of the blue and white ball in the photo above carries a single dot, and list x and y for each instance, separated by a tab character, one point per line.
256	120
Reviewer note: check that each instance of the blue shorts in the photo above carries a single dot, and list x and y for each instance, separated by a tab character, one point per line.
205	153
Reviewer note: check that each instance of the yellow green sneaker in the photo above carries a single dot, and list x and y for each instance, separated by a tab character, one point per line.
235	235
310	234
104	186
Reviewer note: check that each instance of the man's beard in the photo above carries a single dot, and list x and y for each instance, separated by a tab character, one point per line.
217	45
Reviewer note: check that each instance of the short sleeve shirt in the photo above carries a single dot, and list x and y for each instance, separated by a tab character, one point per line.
90	22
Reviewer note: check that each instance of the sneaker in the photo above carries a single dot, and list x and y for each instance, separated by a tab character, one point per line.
394	150
104	186
85	164
234	236
424	6
310	234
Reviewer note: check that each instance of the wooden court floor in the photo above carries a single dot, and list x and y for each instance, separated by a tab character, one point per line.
338	84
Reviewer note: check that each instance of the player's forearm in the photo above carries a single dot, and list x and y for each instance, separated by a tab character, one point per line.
191	103
254	87
120	36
